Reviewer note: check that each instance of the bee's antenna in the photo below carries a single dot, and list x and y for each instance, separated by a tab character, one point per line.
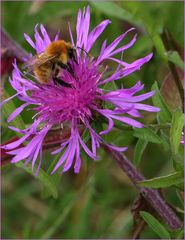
84	51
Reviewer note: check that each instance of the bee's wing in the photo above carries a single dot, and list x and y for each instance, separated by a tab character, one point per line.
31	63
37	61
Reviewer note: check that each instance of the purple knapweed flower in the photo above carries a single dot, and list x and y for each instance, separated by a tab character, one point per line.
77	105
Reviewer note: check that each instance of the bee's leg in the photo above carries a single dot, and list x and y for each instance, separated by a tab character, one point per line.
68	68
58	81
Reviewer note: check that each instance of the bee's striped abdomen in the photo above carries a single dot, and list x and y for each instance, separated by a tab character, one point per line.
43	73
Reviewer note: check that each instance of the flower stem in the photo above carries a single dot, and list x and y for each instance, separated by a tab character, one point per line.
152	196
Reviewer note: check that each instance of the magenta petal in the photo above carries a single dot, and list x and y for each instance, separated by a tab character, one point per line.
129	121
128	45
93	144
134	113
108	50
17	112
78	160
16	143
127	70
86	149
61	148
61	160
16	129
136	65
103	47
56	36
78	27
40	161
95	139
36	155
86	26
15	151
26	151
114	44
70	157
31	147
46	38
8	99
71	35
110	126
77	165
140	97
95	33
119	149
29	40
28	160
137	87
146	107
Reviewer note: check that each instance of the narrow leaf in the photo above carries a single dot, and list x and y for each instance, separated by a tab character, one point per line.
114	10
181	234
174	57
165	181
165	114
155	225
55	178
146	134
158	43
176	130
42	176
47	234
139	149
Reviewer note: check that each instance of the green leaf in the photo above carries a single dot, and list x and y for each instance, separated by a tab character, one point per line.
176	130
68	202
153	28
112	9
180	196
165	181
158	43
120	137
47	234
178	159
81	228
86	135
174	57
165	114
181	234
110	86
42	176
146	134
139	149
155	225
55	178
48	12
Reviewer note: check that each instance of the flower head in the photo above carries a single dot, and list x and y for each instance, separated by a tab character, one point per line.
77	105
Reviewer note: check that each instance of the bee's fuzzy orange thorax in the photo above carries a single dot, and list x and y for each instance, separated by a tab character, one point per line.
56	48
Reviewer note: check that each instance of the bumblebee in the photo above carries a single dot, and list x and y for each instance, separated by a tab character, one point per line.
48	64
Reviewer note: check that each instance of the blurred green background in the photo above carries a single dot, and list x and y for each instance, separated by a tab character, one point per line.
96	203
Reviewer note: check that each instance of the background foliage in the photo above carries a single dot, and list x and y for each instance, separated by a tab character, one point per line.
97	203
